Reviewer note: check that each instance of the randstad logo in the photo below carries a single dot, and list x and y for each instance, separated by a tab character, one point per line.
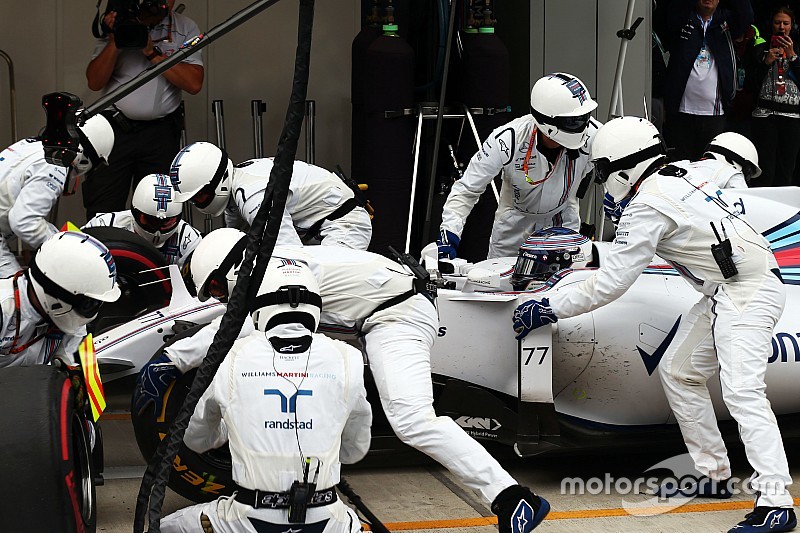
288	405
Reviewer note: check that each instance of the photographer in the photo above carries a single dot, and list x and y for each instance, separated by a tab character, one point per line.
776	118
147	122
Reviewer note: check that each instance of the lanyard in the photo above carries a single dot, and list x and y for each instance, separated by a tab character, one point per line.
528	157
14	348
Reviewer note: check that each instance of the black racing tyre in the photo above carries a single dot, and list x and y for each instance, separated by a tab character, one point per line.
135	259
197	477
46	457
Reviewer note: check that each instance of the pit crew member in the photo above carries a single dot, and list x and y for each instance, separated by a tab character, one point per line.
30	186
277	444
157	217
68	279
685	218
320	206
542	157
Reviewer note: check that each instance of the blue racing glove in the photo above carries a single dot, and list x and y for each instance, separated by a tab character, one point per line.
447	243
153	381
531	315
614	209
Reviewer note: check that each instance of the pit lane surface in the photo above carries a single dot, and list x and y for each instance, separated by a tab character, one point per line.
424	497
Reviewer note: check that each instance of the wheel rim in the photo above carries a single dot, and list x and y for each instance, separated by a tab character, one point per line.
82	461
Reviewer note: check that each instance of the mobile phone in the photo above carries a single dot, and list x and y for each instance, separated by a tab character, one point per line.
775	42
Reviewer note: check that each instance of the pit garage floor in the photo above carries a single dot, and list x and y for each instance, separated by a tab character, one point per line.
424	497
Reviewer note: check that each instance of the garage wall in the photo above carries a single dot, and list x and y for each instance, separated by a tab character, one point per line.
50	43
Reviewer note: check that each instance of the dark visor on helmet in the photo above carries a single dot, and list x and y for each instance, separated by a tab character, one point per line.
576	124
154	224
205	195
603	168
748	168
216	286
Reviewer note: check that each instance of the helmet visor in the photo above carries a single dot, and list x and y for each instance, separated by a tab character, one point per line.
204	196
153	223
87	307
535	267
576	124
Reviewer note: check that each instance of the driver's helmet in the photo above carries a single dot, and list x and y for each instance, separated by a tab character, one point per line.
546	252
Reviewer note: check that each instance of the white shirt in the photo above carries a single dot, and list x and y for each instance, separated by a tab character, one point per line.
506	150
29	188
175	250
278	405
701	95
158	97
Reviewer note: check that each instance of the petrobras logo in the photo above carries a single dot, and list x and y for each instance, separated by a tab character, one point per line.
289	424
163	192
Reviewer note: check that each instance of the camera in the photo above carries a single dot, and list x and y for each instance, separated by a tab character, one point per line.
128	30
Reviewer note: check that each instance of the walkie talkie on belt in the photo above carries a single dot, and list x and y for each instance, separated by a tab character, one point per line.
723	253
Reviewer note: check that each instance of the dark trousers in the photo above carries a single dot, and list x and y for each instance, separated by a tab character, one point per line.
147	149
690	134
777	140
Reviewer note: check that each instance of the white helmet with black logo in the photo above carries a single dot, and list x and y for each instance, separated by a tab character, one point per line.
289	294
201	173
562	108
72	274
156	215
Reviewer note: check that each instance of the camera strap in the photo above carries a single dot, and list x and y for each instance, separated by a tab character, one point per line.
96	22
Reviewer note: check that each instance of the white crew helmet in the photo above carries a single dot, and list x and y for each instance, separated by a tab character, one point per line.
72	274
201	173
622	150
736	150
96	142
156	214
215	263
289	294
561	107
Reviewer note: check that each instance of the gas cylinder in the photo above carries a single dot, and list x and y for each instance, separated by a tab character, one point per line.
484	75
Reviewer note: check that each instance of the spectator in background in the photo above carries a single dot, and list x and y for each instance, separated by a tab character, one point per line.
701	76
776	118
747	87
147	123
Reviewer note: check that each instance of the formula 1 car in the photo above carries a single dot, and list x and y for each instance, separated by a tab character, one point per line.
587	382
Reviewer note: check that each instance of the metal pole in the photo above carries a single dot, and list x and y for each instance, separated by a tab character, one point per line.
478	141
623	47
417	141
194	45
440	115
257	109
12	94
311	133
219	122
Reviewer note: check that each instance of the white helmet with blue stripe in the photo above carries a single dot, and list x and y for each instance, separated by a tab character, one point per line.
156	214
546	252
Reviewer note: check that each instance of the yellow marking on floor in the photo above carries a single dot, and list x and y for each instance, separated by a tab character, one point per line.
572	515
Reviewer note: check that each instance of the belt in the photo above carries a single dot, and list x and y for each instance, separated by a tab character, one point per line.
263	499
129	125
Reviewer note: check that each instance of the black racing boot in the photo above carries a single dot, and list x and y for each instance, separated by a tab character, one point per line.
519	510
